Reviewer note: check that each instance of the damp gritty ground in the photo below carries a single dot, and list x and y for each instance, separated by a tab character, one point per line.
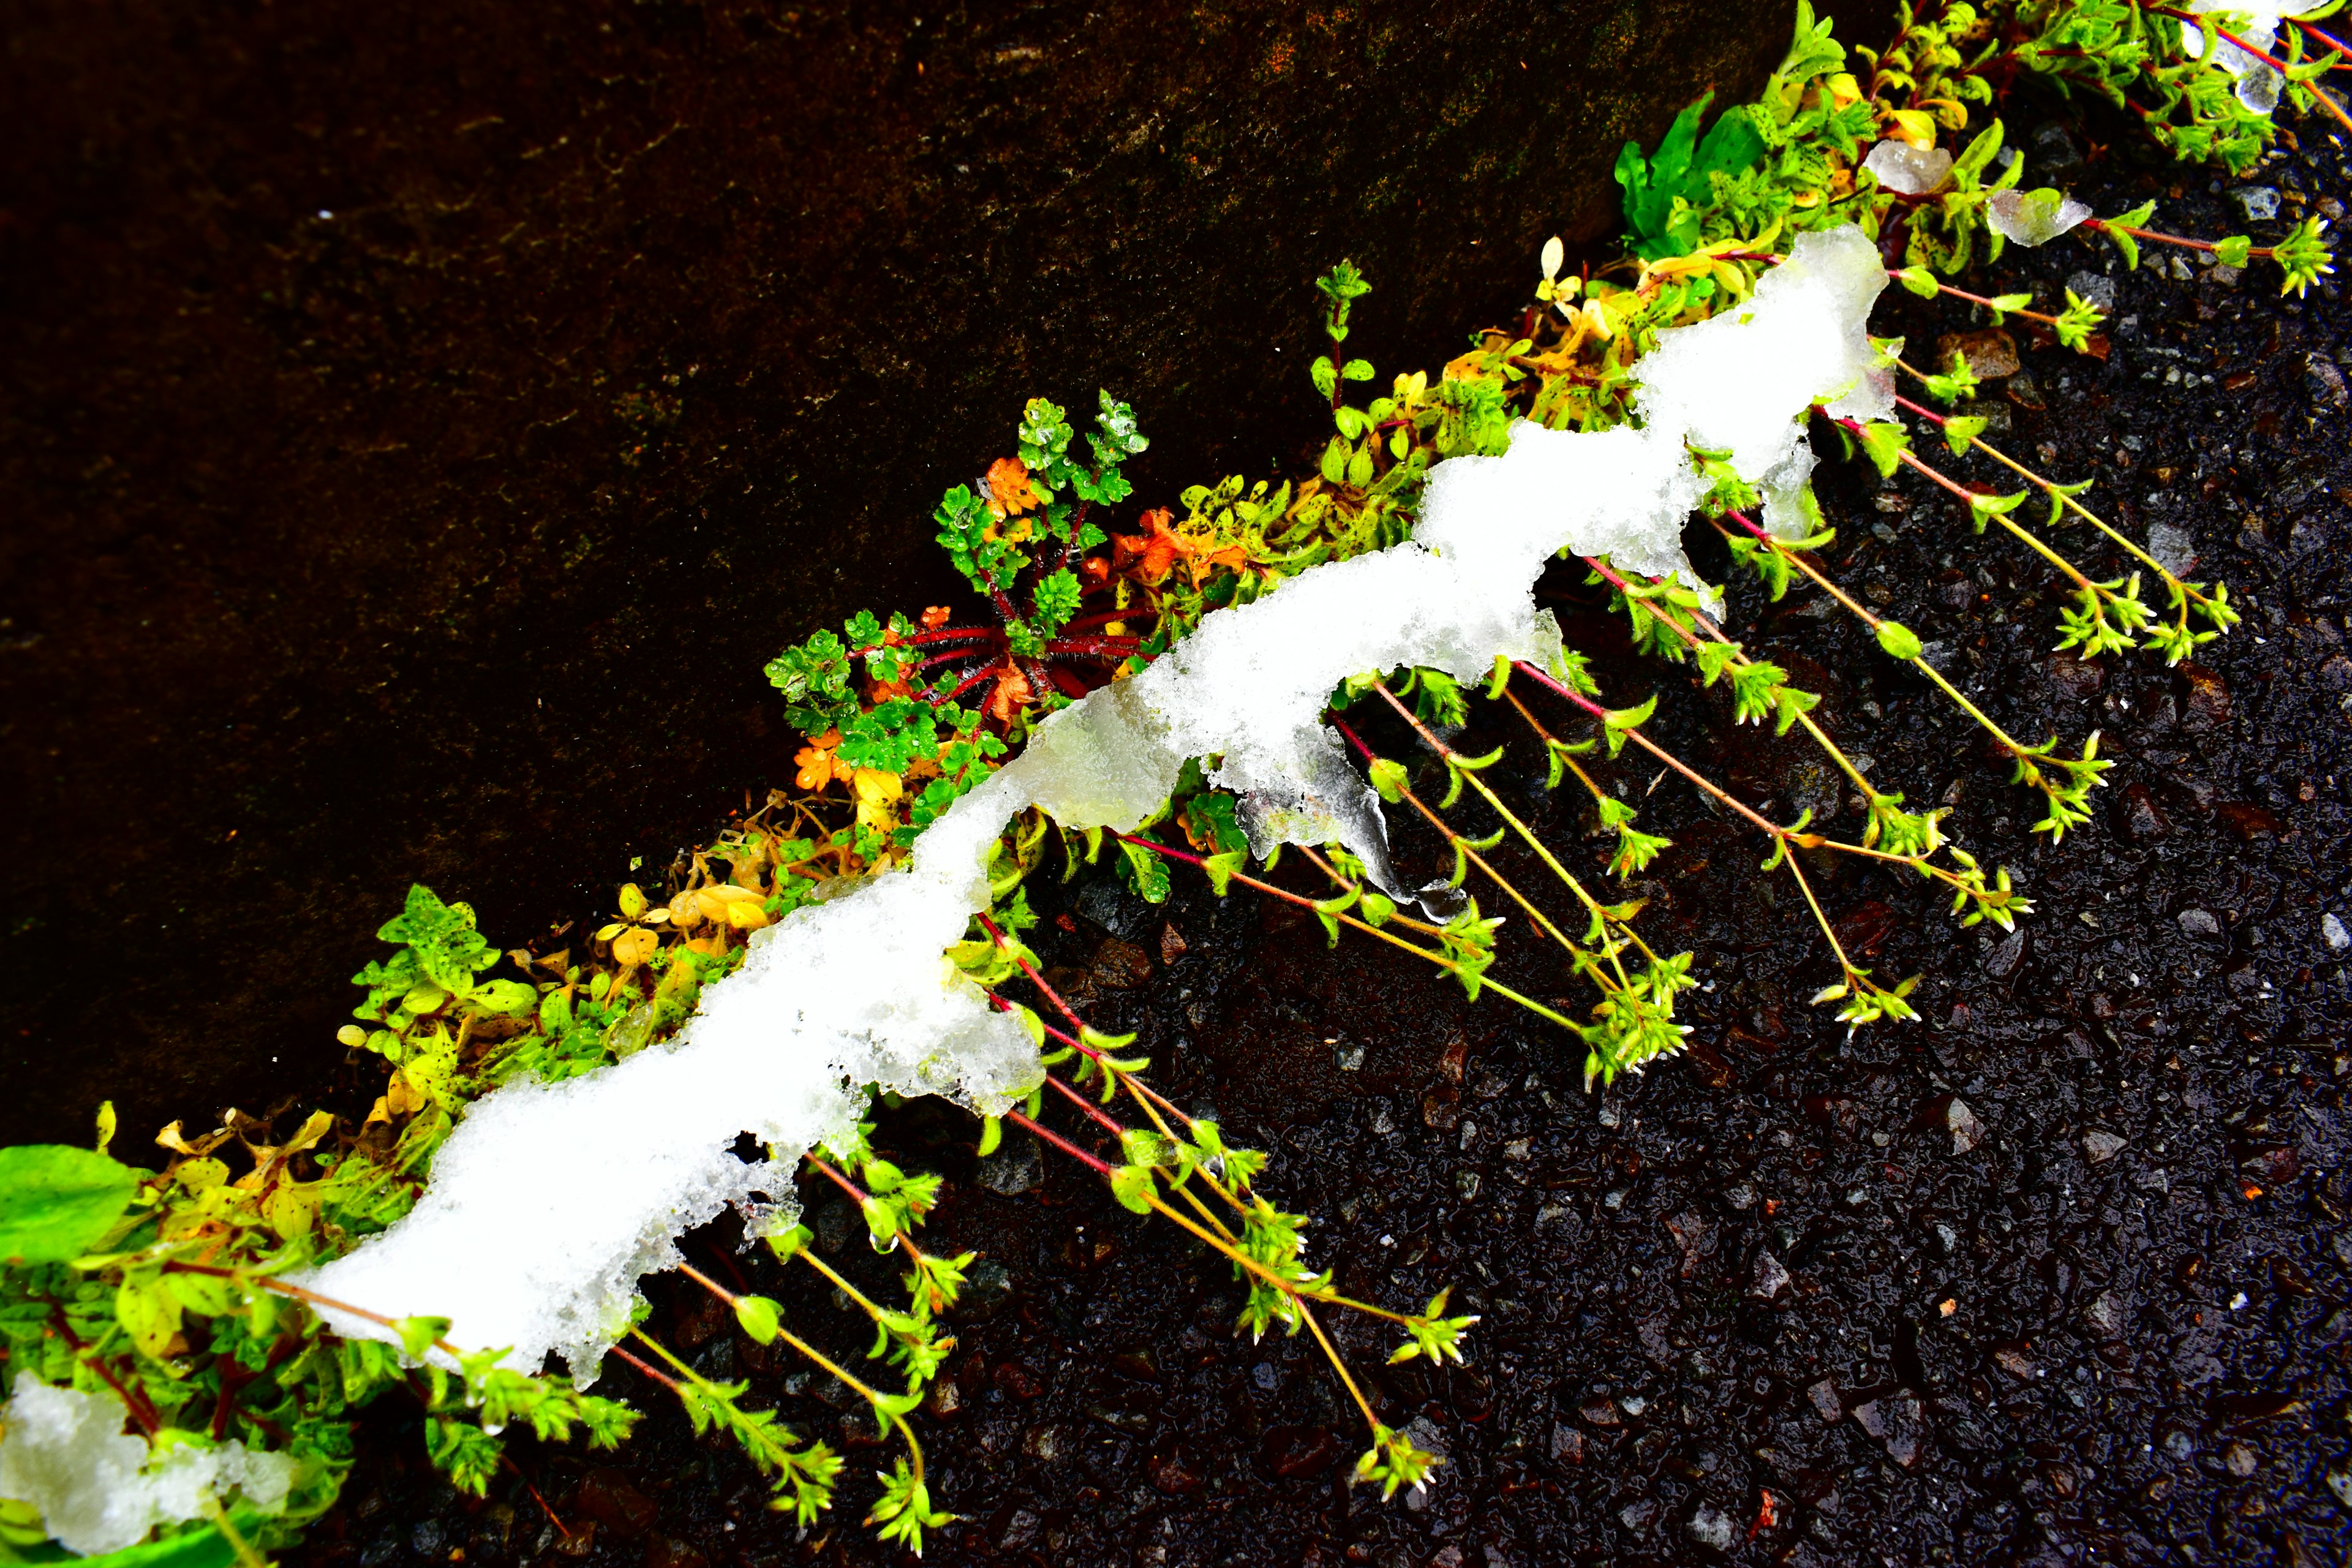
2057	1275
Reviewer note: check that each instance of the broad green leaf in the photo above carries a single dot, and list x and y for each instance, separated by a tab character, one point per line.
58	1203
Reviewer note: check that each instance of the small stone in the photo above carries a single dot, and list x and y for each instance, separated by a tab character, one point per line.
2339	1482
2240	1458
2099	1147
1567	1444
1349	1057
2323	381
2199	922
2256	204
1899	1423
1518	1149
2002	962
613	1500
1638	1515
2172	545
1020	1530
1824	1396
987	1288
2056	153
1743	1196
2076	677
1466	1183
1560	1226
1018	1165
2209	700
1771	1278
1711	1529
2331	932
2140	818
1991	353
2095	288
1120	965
2108	1314
1962	1124
1298	1453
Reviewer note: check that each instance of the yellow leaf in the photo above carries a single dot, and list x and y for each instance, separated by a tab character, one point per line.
291	1211
1912	126
635	946
633	901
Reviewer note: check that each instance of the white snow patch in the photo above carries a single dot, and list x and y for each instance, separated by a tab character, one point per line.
98	1490
548	1200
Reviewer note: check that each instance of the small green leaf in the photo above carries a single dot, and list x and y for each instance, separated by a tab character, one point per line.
1899	640
1131	1185
759	1316
992	1133
417	1334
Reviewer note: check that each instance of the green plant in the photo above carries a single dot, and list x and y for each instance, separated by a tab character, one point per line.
167	1290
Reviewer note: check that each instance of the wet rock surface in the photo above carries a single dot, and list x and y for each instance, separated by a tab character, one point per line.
419	426
1779	1300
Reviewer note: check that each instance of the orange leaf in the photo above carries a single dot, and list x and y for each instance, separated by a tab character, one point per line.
1009	489
818	767
935	618
1009	695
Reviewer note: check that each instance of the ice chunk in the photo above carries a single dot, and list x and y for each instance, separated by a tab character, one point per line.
2259	82
548	1200
98	1490
1909	171
2033	217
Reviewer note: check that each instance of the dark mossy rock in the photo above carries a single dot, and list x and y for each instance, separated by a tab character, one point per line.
422	422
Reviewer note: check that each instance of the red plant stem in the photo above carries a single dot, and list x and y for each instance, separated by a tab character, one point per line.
1638	739
2332	43
997	934
1159	848
1088	1106
1078	1046
2229	37
1353	740
1915	408
508	1459
950	657
1066	683
664	1379
858	1195
983	673
1099	1167
1110	647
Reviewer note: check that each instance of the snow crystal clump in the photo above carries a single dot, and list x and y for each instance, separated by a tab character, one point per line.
1909	171
2032	217
2259	82
64	1452
548	1200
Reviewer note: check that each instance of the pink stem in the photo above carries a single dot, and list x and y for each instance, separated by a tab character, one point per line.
1063	1144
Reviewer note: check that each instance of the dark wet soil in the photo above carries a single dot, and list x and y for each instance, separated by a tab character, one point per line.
418	425
2057	1275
